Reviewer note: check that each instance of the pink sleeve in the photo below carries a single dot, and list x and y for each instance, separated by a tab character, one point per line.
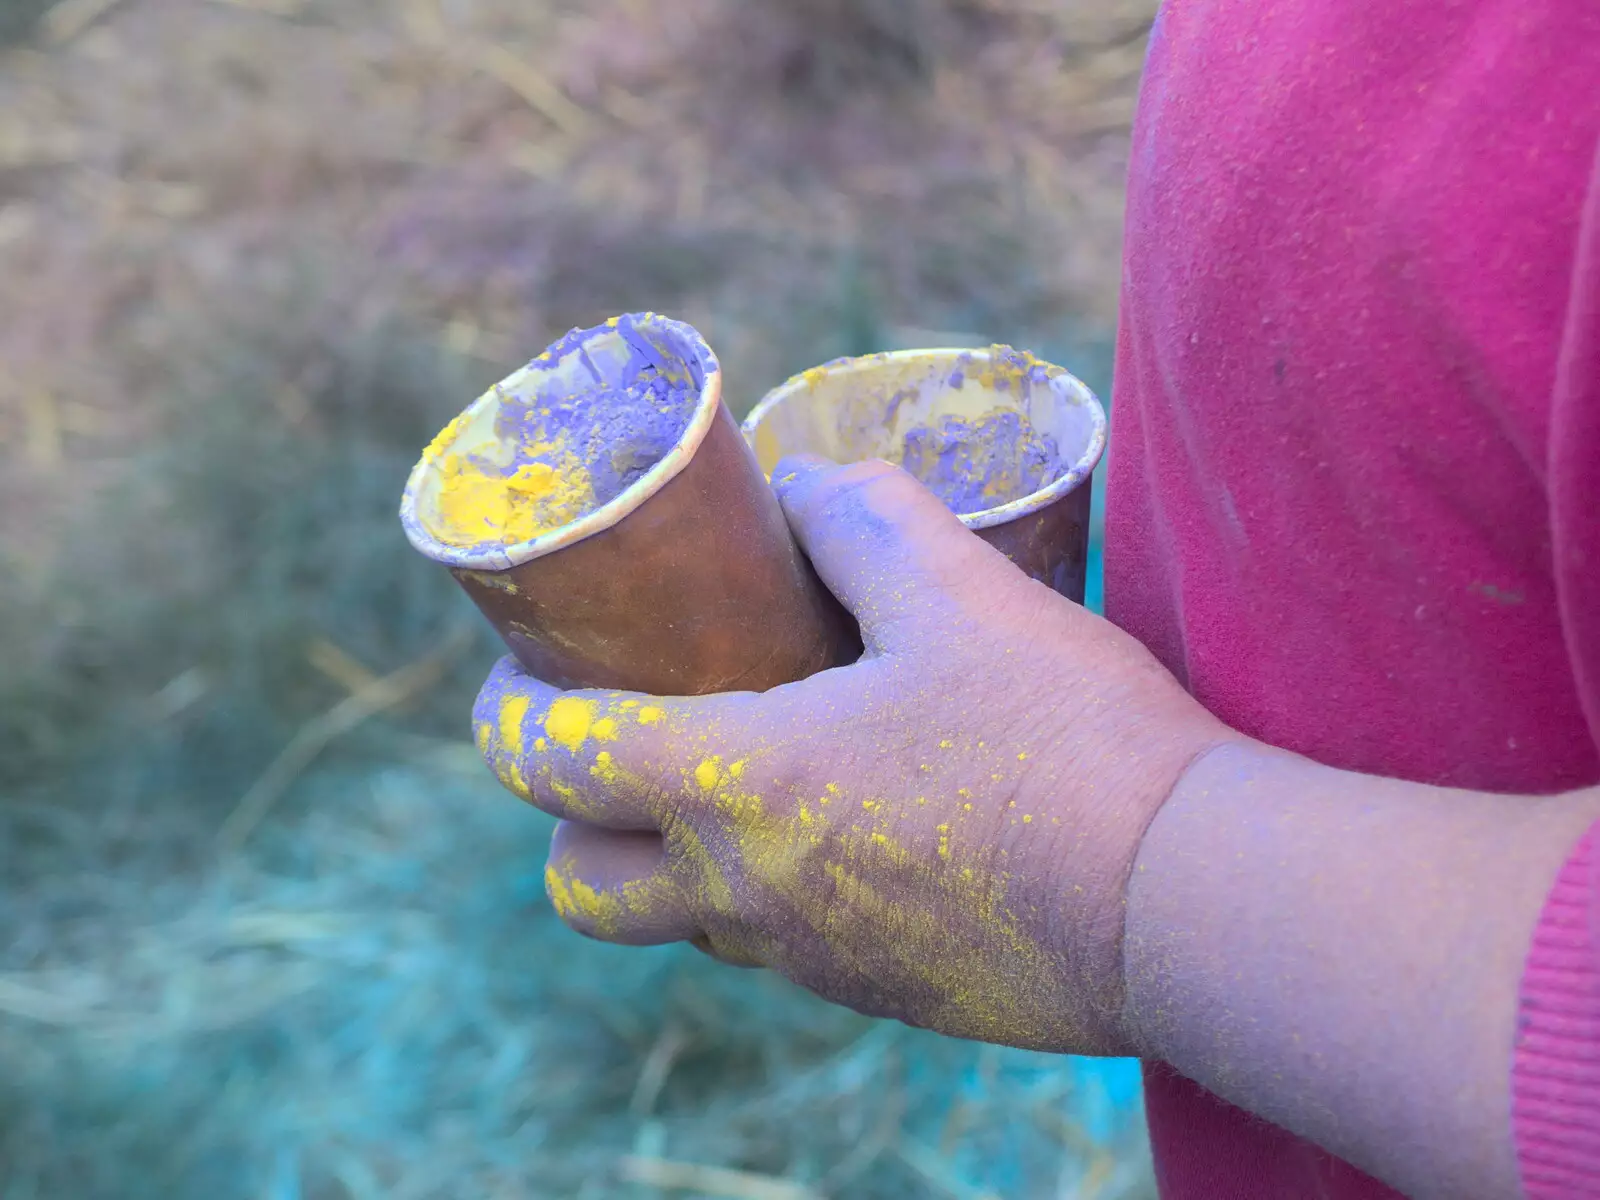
1556	1070
1555	1075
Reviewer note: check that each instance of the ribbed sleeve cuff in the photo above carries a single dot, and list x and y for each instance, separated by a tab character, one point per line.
1555	1082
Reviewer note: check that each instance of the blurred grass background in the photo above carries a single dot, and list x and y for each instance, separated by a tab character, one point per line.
268	928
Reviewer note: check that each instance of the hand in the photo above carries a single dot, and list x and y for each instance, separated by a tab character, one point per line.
941	832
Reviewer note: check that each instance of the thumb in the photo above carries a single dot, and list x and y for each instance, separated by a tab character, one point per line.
886	546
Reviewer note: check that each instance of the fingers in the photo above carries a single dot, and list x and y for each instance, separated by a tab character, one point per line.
611	759
726	955
558	750
616	886
886	546
619	887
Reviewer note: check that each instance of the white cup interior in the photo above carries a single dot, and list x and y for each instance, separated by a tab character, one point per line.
856	409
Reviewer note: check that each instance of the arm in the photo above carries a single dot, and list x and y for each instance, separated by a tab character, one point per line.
1341	955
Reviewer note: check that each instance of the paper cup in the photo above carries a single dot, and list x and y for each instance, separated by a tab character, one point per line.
885	406
686	582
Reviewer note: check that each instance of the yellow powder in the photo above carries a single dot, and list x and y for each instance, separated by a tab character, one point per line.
509	772
708	773
605	729
714	888
568	721
512	714
992	981
446	437
814	376
650	714
605	769
477	504
574	898
493	579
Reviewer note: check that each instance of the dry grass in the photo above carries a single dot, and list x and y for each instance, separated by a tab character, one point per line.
506	171
377	1003
252	252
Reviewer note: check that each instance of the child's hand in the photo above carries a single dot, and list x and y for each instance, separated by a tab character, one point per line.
941	832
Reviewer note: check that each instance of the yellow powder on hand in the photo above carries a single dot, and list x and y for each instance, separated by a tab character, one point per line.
708	773
605	769
512	715
568	721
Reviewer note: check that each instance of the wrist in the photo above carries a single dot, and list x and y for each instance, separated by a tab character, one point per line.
1185	809
1132	784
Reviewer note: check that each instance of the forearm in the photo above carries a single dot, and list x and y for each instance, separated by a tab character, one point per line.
1341	955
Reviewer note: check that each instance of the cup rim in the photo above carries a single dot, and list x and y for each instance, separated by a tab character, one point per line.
667	468
1059	377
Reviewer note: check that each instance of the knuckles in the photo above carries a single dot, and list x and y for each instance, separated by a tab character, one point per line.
861	495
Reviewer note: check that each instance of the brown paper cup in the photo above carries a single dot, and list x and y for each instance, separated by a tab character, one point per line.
854	409
685	583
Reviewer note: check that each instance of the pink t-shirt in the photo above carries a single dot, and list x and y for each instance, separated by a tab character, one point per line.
1354	494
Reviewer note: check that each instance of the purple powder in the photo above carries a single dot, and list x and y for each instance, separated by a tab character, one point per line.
625	417
974	465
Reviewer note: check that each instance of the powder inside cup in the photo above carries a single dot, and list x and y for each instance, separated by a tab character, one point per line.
568	445
981	463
